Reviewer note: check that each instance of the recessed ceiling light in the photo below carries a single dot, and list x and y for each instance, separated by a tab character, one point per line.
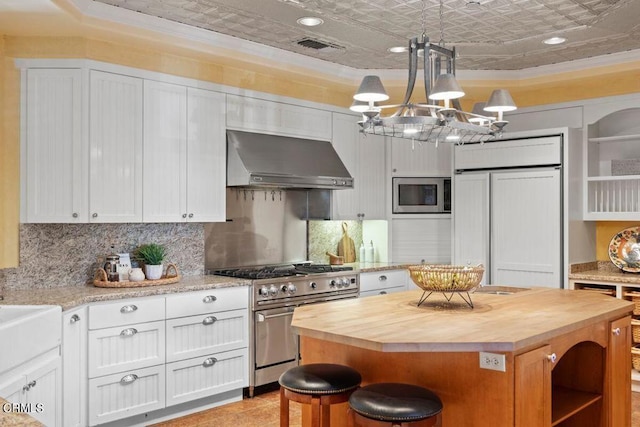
554	40
310	21
397	49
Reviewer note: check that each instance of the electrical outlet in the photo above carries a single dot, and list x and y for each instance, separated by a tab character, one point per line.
493	361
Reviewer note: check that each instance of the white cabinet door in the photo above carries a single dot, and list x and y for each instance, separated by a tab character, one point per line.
526	237
13	390
115	141
74	367
471	221
206	156
413	158
44	386
364	157
418	240
165	150
54	166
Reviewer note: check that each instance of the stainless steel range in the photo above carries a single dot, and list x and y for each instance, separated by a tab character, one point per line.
277	291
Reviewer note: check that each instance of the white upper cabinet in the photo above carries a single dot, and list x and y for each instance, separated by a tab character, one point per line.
54	166
258	115
414	158
115	143
184	152
364	157
612	165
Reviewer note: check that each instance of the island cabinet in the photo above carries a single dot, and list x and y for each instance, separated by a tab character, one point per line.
556	357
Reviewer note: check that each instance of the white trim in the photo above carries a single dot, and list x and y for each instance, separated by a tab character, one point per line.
285	59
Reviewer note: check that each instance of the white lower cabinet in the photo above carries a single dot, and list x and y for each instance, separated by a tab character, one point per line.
203	376
383	282
74	367
125	394
147	354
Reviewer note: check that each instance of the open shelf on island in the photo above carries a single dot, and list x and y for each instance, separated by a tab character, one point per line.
567	402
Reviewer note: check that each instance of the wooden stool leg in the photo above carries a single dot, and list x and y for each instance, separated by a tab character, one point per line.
326	415
284	409
315	412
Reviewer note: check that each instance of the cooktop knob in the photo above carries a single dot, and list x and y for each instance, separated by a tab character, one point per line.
333	283
263	291
291	288
345	282
313	285
273	291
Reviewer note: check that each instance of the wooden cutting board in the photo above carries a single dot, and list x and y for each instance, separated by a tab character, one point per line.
346	248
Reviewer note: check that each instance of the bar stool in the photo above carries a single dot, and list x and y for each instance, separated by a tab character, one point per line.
317	384
394	403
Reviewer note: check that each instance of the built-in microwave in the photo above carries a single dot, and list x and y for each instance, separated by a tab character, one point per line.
421	195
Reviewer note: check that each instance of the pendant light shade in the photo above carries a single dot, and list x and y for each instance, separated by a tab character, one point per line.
500	101
478	108
371	90
446	87
359	106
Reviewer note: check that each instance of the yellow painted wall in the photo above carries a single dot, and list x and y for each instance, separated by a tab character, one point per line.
246	73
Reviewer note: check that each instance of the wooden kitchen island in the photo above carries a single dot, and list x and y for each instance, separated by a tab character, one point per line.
566	353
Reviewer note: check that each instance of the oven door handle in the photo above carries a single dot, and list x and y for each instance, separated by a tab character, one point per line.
262	317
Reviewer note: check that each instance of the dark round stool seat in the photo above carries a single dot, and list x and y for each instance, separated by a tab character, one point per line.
395	402
320	378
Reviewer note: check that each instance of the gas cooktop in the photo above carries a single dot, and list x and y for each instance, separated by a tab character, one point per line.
275	271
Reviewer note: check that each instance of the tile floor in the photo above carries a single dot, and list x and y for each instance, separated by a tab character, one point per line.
263	411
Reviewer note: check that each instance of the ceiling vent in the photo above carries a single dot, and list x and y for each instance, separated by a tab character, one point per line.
318	45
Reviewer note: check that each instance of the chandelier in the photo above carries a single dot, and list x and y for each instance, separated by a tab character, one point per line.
440	120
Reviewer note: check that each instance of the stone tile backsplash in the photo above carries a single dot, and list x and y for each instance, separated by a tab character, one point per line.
53	255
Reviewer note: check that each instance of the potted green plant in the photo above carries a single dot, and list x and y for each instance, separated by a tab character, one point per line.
152	255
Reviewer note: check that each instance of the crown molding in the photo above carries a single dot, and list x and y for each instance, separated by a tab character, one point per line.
222	44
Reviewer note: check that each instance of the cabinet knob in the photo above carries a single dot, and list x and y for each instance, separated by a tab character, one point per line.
209	362
184	215
75	318
209	320
128	308
190	215
383	292
94	215
209	298
616	331
552	358
382	278
129	332
128	379
32	384
75	215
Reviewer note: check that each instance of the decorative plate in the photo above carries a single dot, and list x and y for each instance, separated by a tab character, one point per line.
624	250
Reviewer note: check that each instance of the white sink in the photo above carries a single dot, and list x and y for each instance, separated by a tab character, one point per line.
27	331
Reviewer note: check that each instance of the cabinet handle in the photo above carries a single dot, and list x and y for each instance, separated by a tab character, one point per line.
129	332
383	292
25	388
32	384
552	358
95	215
184	215
190	215
209	362
75	318
210	320
128	379
616	331
75	215
382	278
128	308
209	298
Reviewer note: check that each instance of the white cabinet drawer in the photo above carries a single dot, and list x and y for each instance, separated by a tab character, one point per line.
208	301
126	312
194	336
127	347
382	291
126	394
204	376
383	279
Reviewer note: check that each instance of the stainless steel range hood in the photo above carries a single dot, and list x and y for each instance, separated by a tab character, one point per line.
277	161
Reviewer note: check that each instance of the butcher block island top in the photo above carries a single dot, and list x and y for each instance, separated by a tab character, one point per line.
528	358
504	322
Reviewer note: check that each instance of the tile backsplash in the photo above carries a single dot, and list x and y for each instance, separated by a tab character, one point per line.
53	255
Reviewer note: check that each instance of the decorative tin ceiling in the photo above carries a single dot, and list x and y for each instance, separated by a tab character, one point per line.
487	34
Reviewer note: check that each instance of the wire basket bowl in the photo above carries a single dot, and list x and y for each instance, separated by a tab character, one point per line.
446	278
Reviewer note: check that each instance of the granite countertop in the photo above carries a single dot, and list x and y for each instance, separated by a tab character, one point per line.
72	296
602	271
11	419
377	266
